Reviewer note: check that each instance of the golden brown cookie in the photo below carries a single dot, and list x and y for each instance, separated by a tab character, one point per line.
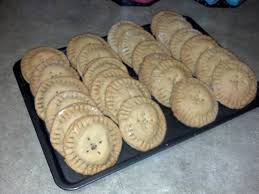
166	30
120	90
65	118
142	123
46	71
101	82
77	43
36	56
146	68
163	15
62	100
91	52
180	37
193	103
208	60
164	77
193	48
234	84
116	32
92	144
99	65
129	40
145	48
51	87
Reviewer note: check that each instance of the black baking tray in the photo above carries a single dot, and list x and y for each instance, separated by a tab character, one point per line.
177	132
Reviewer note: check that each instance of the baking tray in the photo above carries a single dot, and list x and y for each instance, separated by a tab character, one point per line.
67	179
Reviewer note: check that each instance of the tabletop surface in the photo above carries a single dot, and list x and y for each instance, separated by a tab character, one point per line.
222	160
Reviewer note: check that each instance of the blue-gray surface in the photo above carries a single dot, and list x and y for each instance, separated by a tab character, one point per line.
223	160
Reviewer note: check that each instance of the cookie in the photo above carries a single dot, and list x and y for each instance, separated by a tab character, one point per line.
146	68
234	84
100	84
116	32
63	100
36	56
162	15
142	123
145	48
129	40
99	65
208	60
120	90
51	87
166	30
193	103
77	43
193	48
92	144
180	37
164	77
65	118
91	52
46	71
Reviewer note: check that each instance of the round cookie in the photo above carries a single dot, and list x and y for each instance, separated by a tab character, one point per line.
208	60
129	40
92	144
146	68
193	48
116	32
145	48
62	100
178	40
36	56
77	43
142	123
100	84
166	30
193	103
99	65
51	87
91	52
47	71
164	77
65	118
234	84
120	90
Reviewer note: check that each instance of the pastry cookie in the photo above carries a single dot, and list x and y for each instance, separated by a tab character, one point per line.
91	52
120	90
208	60
63	100
234	84
100	84
146	68
180	37
164	77
193	103
166	30
99	65
77	43
145	48
65	118
92	144
193	48
129	40
116	32
46	71
51	87
39	55
142	123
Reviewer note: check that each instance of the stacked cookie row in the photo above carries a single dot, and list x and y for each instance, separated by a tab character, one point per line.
232	81
125	100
